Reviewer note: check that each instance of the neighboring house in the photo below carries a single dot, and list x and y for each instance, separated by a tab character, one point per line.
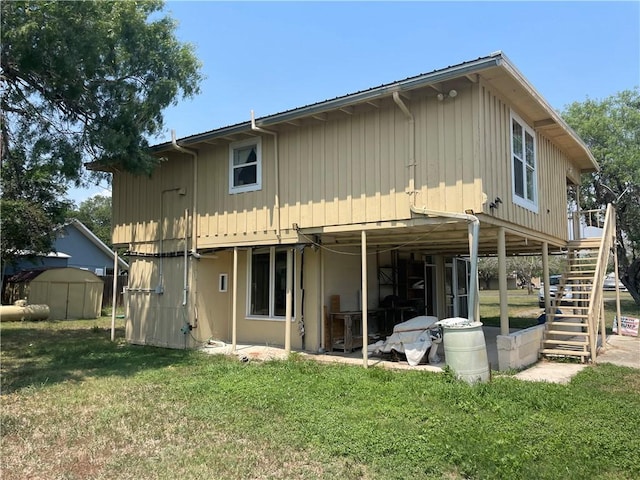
402	175
75	246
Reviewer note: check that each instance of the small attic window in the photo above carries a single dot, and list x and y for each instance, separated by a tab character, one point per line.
245	165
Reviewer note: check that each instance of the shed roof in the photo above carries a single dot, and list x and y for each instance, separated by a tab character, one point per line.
59	274
495	68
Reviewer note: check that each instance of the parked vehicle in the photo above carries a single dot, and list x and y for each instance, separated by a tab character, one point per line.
554	284
610	283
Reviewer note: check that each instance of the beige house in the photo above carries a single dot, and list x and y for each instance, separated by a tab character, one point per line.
382	198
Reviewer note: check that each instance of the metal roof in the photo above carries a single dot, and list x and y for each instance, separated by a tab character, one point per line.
495	67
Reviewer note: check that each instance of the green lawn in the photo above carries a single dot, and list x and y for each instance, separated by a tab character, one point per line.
76	406
524	310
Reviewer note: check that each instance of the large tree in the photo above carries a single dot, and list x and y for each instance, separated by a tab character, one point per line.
81	81
95	214
611	129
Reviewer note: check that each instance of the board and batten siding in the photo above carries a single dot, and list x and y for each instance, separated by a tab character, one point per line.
552	166
140	200
348	170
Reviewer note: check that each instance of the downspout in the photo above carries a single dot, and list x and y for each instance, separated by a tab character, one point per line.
412	145
474	223
194	225
185	286
194	220
277	170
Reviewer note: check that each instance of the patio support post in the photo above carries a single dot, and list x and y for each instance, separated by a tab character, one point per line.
323	347
365	300
615	269
115	295
287	331
234	308
545	276
502	282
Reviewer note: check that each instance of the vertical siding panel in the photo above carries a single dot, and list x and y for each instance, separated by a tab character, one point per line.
305	172
317	180
344	178
432	152
386	167
452	172
371	170
400	161
330	171
355	170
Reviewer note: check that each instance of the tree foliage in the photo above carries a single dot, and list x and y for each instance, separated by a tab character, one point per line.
89	80
95	214
81	82
487	270
611	129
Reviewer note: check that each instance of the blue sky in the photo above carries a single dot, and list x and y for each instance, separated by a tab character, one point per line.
274	56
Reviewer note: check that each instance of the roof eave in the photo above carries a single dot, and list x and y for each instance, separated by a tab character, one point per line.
344	101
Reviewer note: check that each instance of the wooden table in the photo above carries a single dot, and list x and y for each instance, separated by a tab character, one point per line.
345	331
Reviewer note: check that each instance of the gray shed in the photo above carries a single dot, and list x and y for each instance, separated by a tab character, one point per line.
71	293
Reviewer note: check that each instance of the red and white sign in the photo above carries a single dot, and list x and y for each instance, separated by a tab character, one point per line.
628	326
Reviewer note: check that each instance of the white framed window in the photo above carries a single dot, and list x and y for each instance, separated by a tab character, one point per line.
245	165
524	173
267	285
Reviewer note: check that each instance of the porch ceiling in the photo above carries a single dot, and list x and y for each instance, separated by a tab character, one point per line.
434	237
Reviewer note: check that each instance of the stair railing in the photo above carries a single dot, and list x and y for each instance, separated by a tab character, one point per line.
596	303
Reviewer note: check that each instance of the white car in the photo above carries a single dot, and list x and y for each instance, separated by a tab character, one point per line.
554	283
610	283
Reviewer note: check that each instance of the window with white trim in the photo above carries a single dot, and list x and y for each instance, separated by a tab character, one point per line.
267	292
245	165
524	164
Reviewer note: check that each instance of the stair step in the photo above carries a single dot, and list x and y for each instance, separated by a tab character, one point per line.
584	244
573	343
570	315
567	324
567	332
558	351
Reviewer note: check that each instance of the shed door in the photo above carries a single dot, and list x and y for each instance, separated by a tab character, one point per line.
75	301
58	295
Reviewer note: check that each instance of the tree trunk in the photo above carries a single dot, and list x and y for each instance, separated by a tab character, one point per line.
631	279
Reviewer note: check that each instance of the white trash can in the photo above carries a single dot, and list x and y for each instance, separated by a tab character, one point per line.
465	350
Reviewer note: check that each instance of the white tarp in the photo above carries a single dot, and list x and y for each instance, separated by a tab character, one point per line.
413	338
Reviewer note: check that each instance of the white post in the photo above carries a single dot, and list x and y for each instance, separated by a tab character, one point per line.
234	308
615	269
115	295
365	300
289	296
545	277
502	282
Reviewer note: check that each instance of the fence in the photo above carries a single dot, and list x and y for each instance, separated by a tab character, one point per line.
107	295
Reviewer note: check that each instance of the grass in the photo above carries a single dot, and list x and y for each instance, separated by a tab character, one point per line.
77	406
524	310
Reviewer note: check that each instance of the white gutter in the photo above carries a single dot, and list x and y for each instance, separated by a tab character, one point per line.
474	233
277	170
194	220
185	286
412	145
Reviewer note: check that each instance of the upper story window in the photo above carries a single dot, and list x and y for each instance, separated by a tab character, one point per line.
524	171
245	165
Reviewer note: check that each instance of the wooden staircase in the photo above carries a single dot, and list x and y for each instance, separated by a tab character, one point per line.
577	311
